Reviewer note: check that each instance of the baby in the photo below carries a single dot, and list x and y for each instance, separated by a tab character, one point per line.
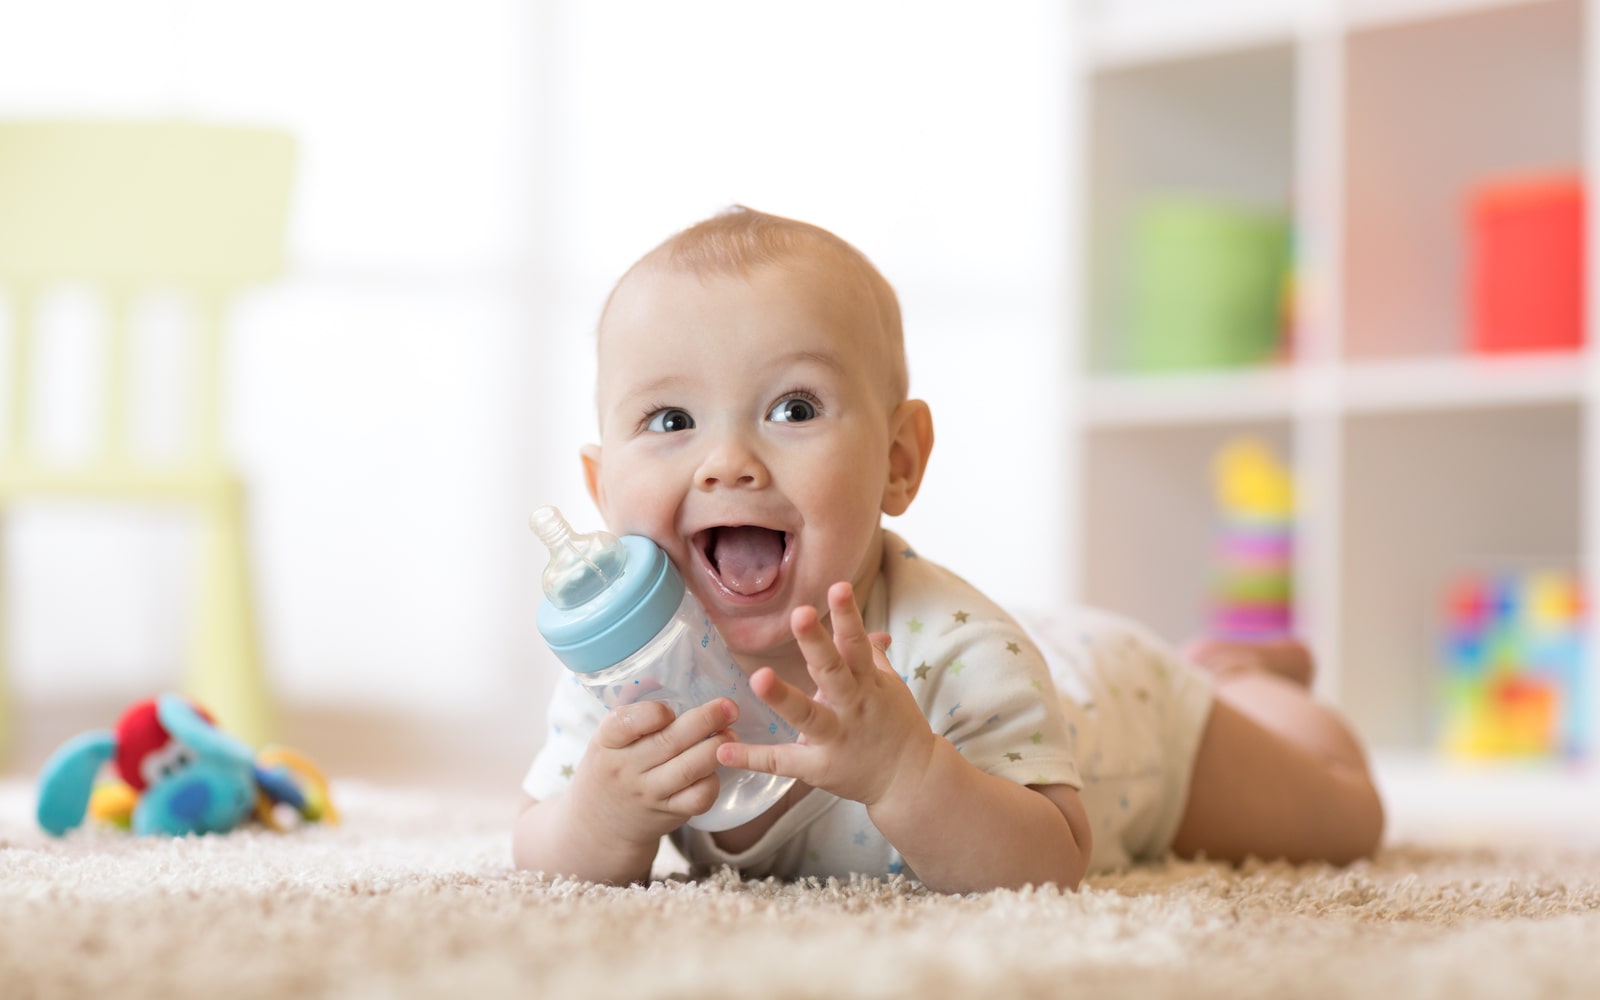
754	422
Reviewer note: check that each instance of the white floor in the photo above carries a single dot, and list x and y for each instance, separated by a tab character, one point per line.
1462	803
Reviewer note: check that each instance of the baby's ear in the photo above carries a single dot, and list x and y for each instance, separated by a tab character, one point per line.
590	454
910	444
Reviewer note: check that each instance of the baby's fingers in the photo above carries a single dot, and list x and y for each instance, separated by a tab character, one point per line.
835	680
650	729
849	631
688	783
786	759
627	724
814	721
880	651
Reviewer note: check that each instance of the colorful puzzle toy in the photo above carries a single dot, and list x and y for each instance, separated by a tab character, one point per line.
1514	679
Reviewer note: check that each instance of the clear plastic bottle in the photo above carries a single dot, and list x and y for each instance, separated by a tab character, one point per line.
617	613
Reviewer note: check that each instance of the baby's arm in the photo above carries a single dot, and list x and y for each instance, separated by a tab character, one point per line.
962	830
643	775
865	738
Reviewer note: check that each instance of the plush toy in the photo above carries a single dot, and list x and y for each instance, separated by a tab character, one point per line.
180	774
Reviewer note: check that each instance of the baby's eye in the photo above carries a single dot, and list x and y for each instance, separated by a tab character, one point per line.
669	420
793	410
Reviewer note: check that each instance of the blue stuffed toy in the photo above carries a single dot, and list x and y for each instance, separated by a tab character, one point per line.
180	774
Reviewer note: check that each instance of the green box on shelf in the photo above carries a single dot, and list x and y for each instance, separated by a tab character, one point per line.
1207	280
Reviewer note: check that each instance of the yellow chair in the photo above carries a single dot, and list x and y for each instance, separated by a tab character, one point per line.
127	208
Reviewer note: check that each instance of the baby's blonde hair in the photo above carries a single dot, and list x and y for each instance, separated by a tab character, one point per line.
739	240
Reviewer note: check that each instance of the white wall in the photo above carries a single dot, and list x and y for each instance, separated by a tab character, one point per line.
928	134
474	175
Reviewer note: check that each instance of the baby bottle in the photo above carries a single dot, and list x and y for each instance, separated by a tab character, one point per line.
617	613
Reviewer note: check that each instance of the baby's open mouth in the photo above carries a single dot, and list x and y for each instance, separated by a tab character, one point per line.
745	557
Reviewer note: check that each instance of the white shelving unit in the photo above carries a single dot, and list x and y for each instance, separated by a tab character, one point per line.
1415	459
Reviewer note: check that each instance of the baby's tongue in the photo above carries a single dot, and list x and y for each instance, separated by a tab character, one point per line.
747	558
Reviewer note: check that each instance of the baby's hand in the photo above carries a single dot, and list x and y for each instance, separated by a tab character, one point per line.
862	735
645	772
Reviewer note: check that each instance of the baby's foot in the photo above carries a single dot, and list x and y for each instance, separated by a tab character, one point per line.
1286	657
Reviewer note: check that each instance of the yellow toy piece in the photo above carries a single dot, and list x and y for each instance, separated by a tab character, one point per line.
113	803
1251	481
312	783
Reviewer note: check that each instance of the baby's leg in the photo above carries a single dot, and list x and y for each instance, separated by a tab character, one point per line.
1286	657
1277	774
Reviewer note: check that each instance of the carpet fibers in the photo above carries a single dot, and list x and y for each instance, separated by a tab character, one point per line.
412	895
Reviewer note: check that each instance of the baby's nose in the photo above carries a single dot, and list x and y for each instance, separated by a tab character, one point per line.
731	462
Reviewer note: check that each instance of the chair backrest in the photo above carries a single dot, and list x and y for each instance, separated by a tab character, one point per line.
142	202
127	206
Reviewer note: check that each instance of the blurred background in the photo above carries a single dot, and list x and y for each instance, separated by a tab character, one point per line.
471	177
1242	315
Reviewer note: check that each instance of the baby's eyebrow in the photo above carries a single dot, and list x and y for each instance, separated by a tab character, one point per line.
824	358
655	386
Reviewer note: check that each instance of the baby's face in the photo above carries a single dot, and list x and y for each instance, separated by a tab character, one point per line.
745	428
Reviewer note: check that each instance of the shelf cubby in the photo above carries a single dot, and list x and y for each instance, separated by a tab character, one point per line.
1417	459
1216	126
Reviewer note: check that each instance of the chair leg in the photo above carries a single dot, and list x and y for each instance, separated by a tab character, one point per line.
8	719
224	672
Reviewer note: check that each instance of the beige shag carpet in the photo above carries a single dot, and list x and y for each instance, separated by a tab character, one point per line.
413	895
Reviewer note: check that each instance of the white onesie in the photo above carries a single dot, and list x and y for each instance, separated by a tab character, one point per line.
1106	709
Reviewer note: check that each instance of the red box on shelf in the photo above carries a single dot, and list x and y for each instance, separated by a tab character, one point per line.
1527	265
